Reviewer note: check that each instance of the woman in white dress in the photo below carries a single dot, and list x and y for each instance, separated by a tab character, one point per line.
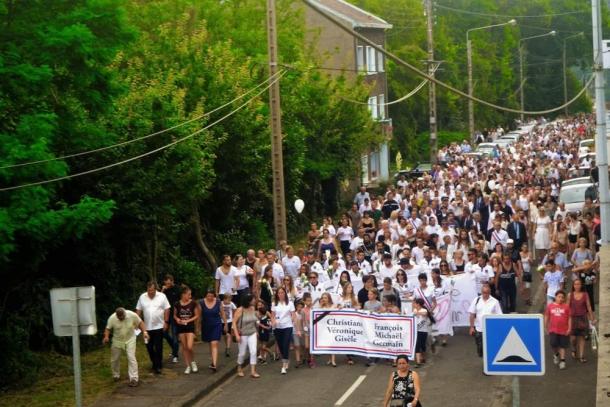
542	236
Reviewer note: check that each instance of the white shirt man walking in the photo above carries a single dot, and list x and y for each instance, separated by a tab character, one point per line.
122	324
483	305
153	308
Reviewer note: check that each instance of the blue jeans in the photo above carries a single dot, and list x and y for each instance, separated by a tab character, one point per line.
283	337
171	336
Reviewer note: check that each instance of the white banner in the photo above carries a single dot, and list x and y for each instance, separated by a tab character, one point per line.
443	316
362	333
463	292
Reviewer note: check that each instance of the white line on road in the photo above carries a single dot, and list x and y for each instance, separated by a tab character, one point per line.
349	391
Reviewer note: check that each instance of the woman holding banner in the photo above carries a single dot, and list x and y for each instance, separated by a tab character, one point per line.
424	320
442	287
326	302
403	386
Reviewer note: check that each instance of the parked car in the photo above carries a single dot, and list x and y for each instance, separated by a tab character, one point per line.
418	171
574	195
576	181
586	146
485	148
512	136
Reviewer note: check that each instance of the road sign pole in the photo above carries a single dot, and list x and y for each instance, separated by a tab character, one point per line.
516	392
76	349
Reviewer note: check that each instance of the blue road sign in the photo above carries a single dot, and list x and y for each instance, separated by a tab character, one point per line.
513	344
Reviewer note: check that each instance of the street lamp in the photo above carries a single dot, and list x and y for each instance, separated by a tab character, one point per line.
565	79
550	33
469	56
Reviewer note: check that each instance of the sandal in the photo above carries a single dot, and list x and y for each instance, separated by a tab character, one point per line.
240	374
583	360
573	354
212	368
255	376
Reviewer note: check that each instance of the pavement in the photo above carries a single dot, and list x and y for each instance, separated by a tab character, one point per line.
172	388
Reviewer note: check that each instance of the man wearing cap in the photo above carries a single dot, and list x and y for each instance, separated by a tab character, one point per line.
122	324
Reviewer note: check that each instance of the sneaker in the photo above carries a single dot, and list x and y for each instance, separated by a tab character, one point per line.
194	368
227	354
175	359
556	359
187	370
562	365
284	370
133	383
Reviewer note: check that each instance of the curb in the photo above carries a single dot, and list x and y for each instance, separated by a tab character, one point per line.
194	396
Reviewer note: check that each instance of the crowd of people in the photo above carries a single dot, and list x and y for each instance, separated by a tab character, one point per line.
494	217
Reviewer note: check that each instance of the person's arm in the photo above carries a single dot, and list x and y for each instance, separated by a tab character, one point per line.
166	317
546	319
176	319
472	317
273	320
143	329
417	388
236	318
589	310
106	336
216	286
389	390
223	316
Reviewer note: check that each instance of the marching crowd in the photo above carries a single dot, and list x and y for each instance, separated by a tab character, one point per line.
494	217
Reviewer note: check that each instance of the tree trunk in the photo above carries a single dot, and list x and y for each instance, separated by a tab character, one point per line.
208	256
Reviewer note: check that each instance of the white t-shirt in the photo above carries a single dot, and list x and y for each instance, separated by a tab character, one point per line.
283	314
278	273
345	233
482	275
481	307
153	310
228	309
227	281
553	281
241	273
387	272
291	266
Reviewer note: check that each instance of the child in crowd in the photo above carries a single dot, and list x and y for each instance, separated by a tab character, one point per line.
559	324
264	331
228	307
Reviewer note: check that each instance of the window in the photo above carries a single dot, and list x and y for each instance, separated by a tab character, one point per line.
360	58
371	60
380	61
381	100
374	107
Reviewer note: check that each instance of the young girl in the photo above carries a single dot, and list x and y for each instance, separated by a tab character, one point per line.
307	301
424	320
326	302
228	307
298	337
186	313
264	330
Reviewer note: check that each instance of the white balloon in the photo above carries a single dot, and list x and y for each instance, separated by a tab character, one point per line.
299	205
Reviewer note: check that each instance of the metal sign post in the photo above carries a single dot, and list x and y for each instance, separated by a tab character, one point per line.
73	312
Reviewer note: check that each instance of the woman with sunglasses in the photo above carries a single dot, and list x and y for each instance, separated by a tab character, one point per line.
282	320
291	290
444	268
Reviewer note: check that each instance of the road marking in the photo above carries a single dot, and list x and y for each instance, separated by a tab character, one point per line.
349	391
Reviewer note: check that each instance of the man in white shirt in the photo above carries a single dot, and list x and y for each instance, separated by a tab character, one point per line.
483	305
314	287
313	264
153	308
291	263
418	251
363	264
360	196
399	247
386	268
433	227
122	325
278	270
358	241
498	235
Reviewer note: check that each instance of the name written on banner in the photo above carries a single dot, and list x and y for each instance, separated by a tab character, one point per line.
362	333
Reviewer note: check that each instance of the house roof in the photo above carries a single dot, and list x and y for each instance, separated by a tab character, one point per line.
352	14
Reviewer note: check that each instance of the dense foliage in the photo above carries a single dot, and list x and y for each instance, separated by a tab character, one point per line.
80	75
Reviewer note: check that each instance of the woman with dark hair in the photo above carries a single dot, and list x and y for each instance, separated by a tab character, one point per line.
245	323
424	320
212	320
505	282
582	315
403	386
369	282
282	320
186	312
267	285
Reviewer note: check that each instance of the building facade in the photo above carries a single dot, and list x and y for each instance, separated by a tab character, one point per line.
346	55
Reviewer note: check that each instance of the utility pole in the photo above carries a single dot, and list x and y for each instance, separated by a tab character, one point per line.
431	85
521	81
470	102
277	159
601	149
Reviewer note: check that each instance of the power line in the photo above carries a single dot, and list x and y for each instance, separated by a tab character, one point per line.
476	13
97	150
432	78
173	143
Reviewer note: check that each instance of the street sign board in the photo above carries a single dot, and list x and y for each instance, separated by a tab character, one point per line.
513	344
73	306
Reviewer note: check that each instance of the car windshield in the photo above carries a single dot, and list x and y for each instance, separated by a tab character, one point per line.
573	195
424	167
587	143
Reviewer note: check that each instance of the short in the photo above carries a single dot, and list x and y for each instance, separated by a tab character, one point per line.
229	327
185	329
420	344
572	238
298	340
559	341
